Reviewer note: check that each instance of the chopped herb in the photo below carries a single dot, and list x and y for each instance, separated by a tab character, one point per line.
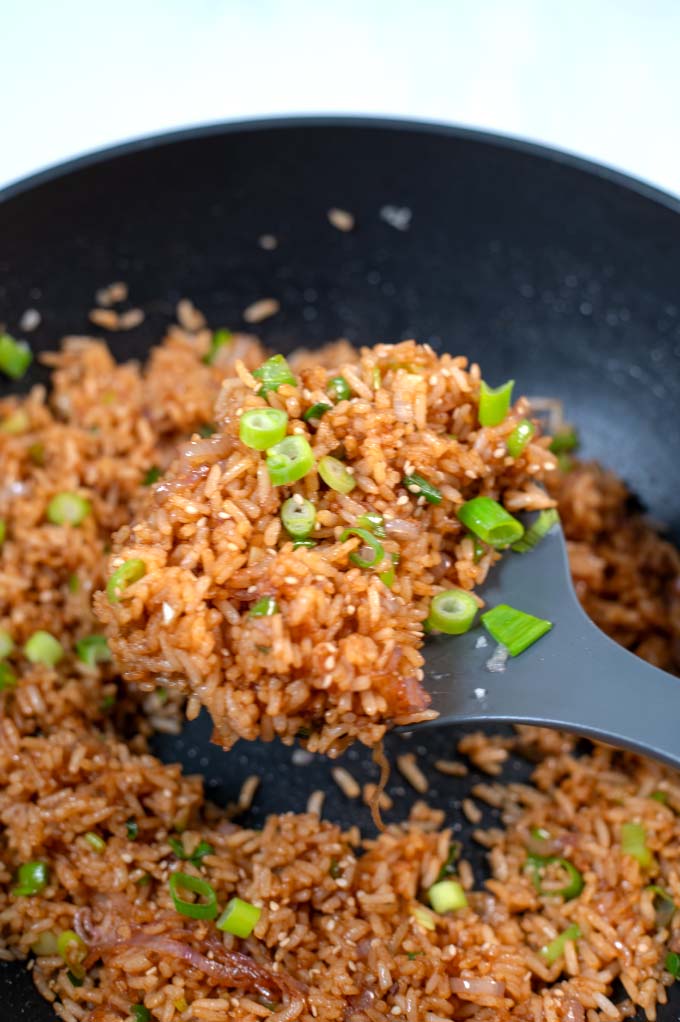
634	843
338	388
555	949
140	1013
316	411
536	865
202	849
96	843
374	522
15	424
265	607
449	866
15	357
545	521
672	964
416	484
335	870
124	576
660	796
151	476
132	828
369	540
447	896
520	438
207	909
564	441
43	648
93	650
219	339
207	429
8	678
274	373
32	878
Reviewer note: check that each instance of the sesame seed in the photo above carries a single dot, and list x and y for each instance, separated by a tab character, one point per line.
329	663
433	379
298	499
290	580
403	499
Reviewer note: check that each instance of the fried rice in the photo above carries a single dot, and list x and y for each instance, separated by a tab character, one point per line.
346	931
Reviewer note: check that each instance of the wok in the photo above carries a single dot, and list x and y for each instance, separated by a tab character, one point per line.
540	266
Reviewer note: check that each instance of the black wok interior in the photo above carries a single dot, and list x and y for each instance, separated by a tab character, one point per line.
539	266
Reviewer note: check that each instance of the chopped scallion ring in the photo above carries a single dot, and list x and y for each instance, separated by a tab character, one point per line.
564	441
8	678
634	843
206	909
452	612
32	878
43	648
265	607
316	411
262	428
338	388
336	475
447	896
419	486
374	522
140	1013
304	542
555	949
73	950
96	843
370	541
15	357
239	918
486	519
151	476
219	339
6	644
93	649
274	373
520	437
672	964
545	521
15	424
67	509
513	628
537	865
127	573
289	460
298	516
494	402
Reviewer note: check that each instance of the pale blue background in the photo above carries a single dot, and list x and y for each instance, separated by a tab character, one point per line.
598	77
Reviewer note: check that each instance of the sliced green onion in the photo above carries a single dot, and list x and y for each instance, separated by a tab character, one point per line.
219	339
415	483
336	475
32	878
316	411
370	541
3	530
43	648
338	388
545	521
536	864
298	516
261	428
16	423
634	843
73	950
374	522
664	906
239	918
74	979
140	1013
423	917
513	628
449	866
96	843
46	944
15	357
485	518
274	373
412	955
289	460
8	678
73	583
478	548
93	649
151	476
672	964
376	378
127	573
207	429
446	896
6	644
555	949
36	453
334	869
564	441
67	509
132	829
202	849
520	437
494	402
658	796
206	909
388	577
304	542
265	607
452	612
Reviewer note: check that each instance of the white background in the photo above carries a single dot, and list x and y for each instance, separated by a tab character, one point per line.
598	77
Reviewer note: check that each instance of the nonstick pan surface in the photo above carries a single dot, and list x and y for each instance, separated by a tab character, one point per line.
559	273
